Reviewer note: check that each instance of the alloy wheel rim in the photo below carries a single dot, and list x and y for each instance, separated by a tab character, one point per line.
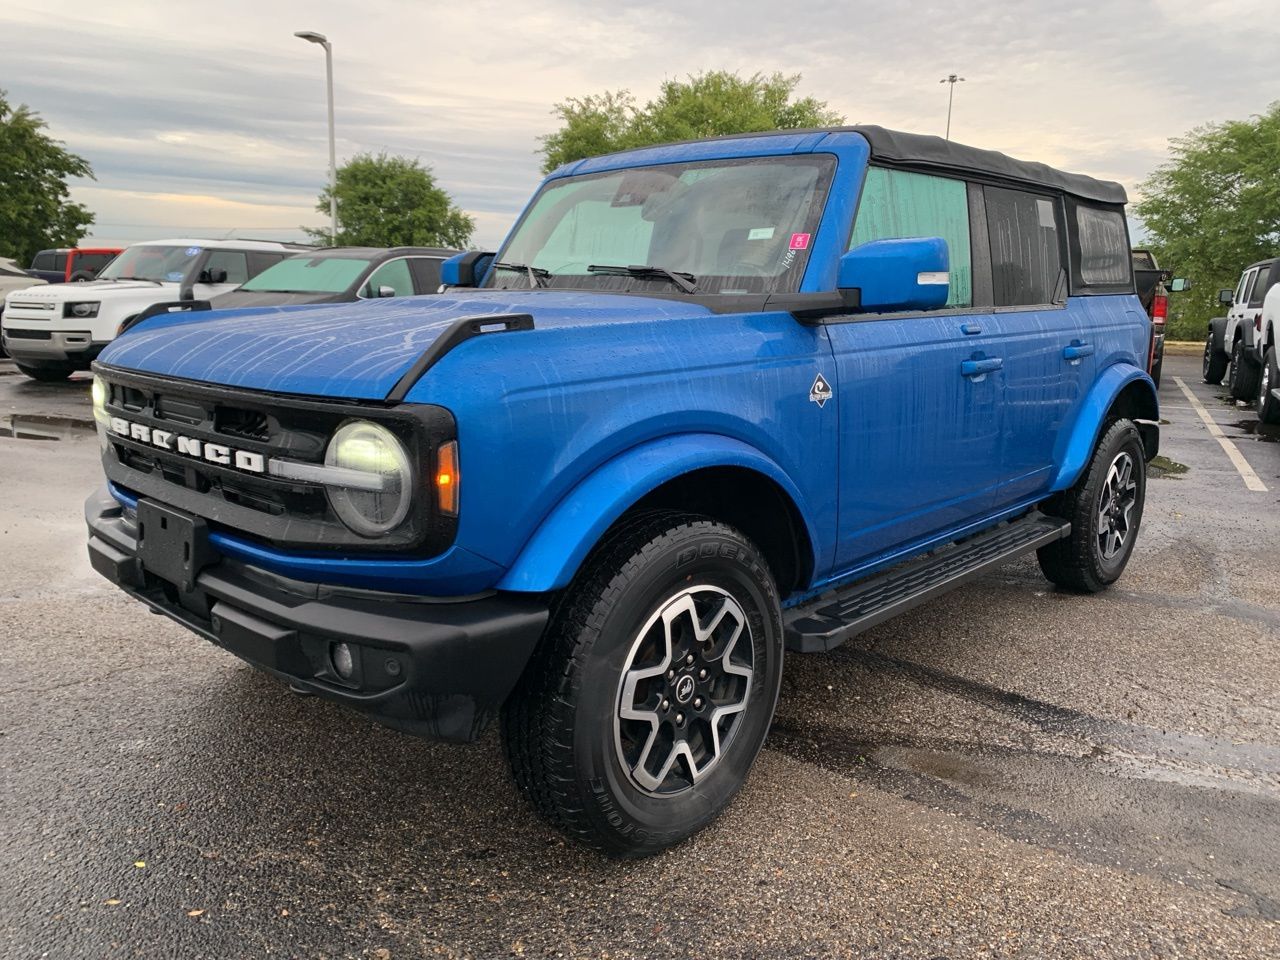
684	690
1115	506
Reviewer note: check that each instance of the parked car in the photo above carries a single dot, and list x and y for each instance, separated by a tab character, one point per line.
709	400
1229	349
1154	286
53	331
1267	344
71	264
12	279
341	275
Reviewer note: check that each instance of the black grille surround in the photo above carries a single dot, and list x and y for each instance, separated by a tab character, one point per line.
288	514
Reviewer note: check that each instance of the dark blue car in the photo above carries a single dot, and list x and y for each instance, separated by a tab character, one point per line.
709	401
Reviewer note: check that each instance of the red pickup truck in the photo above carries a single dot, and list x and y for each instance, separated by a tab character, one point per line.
1154	286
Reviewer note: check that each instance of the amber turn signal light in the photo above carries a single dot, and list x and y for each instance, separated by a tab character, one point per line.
447	478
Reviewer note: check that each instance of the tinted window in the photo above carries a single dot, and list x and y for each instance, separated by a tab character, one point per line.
91	262
43	260
260	261
394	274
1143	260
427	270
1026	254
232	261
1265	281
1103	242
896	205
60	263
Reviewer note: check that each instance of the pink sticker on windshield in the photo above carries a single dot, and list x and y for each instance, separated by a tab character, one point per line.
800	241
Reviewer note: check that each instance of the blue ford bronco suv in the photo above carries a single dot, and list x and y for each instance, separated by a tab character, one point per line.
708	402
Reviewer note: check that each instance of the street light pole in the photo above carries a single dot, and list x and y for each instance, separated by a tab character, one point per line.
952	80
312	37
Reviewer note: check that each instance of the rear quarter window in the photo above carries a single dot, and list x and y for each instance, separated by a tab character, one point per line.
1266	279
1101	261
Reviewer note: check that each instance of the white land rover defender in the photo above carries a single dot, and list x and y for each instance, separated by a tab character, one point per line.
54	330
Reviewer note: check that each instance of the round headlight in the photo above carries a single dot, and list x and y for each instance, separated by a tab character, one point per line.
379	505
83	309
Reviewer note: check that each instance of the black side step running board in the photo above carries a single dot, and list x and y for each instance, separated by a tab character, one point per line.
831	619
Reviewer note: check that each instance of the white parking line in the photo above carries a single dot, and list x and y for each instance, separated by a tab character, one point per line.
1250	478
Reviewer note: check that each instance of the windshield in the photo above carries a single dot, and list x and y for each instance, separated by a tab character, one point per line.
309	275
163	264
732	226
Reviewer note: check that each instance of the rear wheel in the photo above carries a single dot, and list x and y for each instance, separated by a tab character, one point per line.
49	374
1105	510
651	694
1214	366
1244	373
1268	405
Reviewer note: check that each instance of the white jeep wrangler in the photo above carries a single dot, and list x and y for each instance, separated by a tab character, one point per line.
1230	350
54	330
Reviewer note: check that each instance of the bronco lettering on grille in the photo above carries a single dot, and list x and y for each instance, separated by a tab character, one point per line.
216	453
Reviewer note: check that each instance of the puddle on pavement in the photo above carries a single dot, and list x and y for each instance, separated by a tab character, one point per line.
1195	809
1266	432
30	427
1164	467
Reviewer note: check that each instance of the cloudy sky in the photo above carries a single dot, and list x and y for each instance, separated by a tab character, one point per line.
207	119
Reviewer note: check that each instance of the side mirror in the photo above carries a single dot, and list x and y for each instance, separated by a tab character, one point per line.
465	269
213	276
385	291
1179	285
897	274
1226	296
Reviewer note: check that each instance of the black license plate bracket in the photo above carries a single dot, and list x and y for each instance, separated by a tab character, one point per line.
173	545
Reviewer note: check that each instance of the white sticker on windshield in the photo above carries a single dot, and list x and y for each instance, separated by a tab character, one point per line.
1045	209
760	233
173	275
193	251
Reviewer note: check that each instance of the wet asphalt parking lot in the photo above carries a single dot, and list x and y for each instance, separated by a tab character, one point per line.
1008	771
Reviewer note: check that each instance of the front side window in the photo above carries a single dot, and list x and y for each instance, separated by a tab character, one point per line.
727	226
233	262
309	275
898	205
1026	255
394	274
161	264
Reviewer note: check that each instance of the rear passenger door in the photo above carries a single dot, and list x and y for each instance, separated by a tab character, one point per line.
917	393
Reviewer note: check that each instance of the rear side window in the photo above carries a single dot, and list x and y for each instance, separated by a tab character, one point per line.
44	260
1266	279
1026	251
897	205
260	261
60	263
426	272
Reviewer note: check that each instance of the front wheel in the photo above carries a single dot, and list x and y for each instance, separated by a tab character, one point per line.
1105	510
1214	365
653	689
1268	405
1244	373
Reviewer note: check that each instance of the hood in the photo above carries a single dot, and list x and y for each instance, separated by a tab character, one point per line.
349	350
97	289
236	299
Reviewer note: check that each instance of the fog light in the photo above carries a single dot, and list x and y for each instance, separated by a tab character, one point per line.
343	660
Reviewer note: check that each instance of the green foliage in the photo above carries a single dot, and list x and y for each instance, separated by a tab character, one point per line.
704	105
35	212
1212	210
392	202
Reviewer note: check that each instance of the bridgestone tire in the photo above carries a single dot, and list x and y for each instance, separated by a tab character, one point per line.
1268	406
1244	373
1214	366
561	728
47	374
1078	562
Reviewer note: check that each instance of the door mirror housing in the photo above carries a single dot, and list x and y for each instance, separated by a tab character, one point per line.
465	269
1226	296
212	276
385	291
911	274
1179	285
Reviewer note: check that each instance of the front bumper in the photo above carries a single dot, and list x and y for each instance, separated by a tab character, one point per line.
433	667
26	343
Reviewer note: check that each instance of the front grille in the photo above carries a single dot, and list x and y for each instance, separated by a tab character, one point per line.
30	305
285	513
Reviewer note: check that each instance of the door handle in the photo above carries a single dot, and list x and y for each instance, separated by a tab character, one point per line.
979	368
1076	350
970	329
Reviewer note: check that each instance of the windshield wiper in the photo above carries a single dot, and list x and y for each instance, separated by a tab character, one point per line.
685	281
537	276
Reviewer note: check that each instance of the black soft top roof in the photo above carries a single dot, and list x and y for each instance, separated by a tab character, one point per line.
919	150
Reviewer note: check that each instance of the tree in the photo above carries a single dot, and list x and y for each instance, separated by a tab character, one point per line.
35	210
1213	209
393	202
703	105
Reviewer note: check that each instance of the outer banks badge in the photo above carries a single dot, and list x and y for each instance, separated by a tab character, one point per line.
820	392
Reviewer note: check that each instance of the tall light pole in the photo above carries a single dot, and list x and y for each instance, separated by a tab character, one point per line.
312	37
951	79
